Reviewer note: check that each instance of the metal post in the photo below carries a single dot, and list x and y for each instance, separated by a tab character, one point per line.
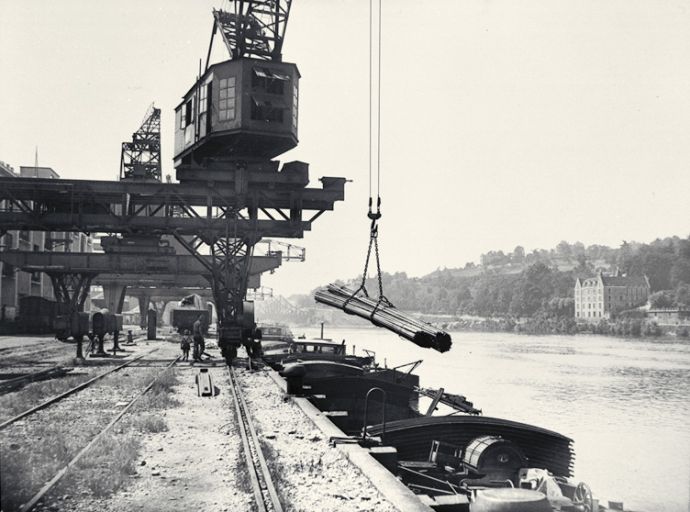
116	344
151	317
80	352
366	410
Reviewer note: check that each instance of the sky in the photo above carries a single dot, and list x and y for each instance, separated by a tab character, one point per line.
502	123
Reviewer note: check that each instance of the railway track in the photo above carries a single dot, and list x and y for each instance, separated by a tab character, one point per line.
264	490
17	382
71	391
49	485
37	349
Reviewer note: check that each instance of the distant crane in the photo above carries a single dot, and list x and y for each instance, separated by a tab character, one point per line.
262	293
289	252
141	157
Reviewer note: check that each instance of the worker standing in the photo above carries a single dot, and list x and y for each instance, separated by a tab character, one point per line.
197	331
185	344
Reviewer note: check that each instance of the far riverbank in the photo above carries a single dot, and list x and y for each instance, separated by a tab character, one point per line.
533	325
627	327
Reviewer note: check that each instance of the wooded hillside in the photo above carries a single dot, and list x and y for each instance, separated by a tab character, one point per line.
540	282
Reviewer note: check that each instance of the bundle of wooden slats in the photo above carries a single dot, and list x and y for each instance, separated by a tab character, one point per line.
386	316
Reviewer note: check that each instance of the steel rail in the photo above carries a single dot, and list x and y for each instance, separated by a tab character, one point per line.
47	342
71	391
58	476
9	385
31	350
264	490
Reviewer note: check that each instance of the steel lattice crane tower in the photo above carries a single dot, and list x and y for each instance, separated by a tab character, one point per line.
141	158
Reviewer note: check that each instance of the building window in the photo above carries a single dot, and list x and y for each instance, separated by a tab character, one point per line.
189	112
226	107
25	236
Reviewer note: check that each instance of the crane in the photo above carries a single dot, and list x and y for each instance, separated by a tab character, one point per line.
236	118
141	157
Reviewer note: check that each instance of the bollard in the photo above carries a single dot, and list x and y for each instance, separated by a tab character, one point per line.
204	383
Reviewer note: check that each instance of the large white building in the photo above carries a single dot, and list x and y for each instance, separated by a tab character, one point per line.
603	296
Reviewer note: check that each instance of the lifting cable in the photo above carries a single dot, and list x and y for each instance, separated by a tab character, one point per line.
374	163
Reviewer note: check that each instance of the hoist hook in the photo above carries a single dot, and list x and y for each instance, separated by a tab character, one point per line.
374	216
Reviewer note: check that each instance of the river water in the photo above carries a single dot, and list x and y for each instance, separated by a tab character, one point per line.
625	402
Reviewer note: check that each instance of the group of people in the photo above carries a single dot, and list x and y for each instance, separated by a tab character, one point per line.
196	337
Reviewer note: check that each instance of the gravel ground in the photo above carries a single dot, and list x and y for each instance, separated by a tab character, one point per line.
36	352
195	465
32	394
312	476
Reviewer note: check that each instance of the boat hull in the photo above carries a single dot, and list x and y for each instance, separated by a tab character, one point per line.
544	448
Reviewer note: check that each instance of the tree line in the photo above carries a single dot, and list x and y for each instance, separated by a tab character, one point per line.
539	285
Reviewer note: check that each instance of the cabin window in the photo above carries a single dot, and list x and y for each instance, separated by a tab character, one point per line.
189	112
269	80
226	107
267	109
202	99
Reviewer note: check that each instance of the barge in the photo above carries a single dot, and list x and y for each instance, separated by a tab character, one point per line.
460	461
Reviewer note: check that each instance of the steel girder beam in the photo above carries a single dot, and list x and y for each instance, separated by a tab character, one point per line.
239	202
168	293
164	281
258	189
97	263
184	226
225	205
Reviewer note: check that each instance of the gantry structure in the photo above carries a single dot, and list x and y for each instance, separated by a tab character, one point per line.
231	193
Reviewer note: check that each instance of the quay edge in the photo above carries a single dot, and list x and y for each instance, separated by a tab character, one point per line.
385	482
